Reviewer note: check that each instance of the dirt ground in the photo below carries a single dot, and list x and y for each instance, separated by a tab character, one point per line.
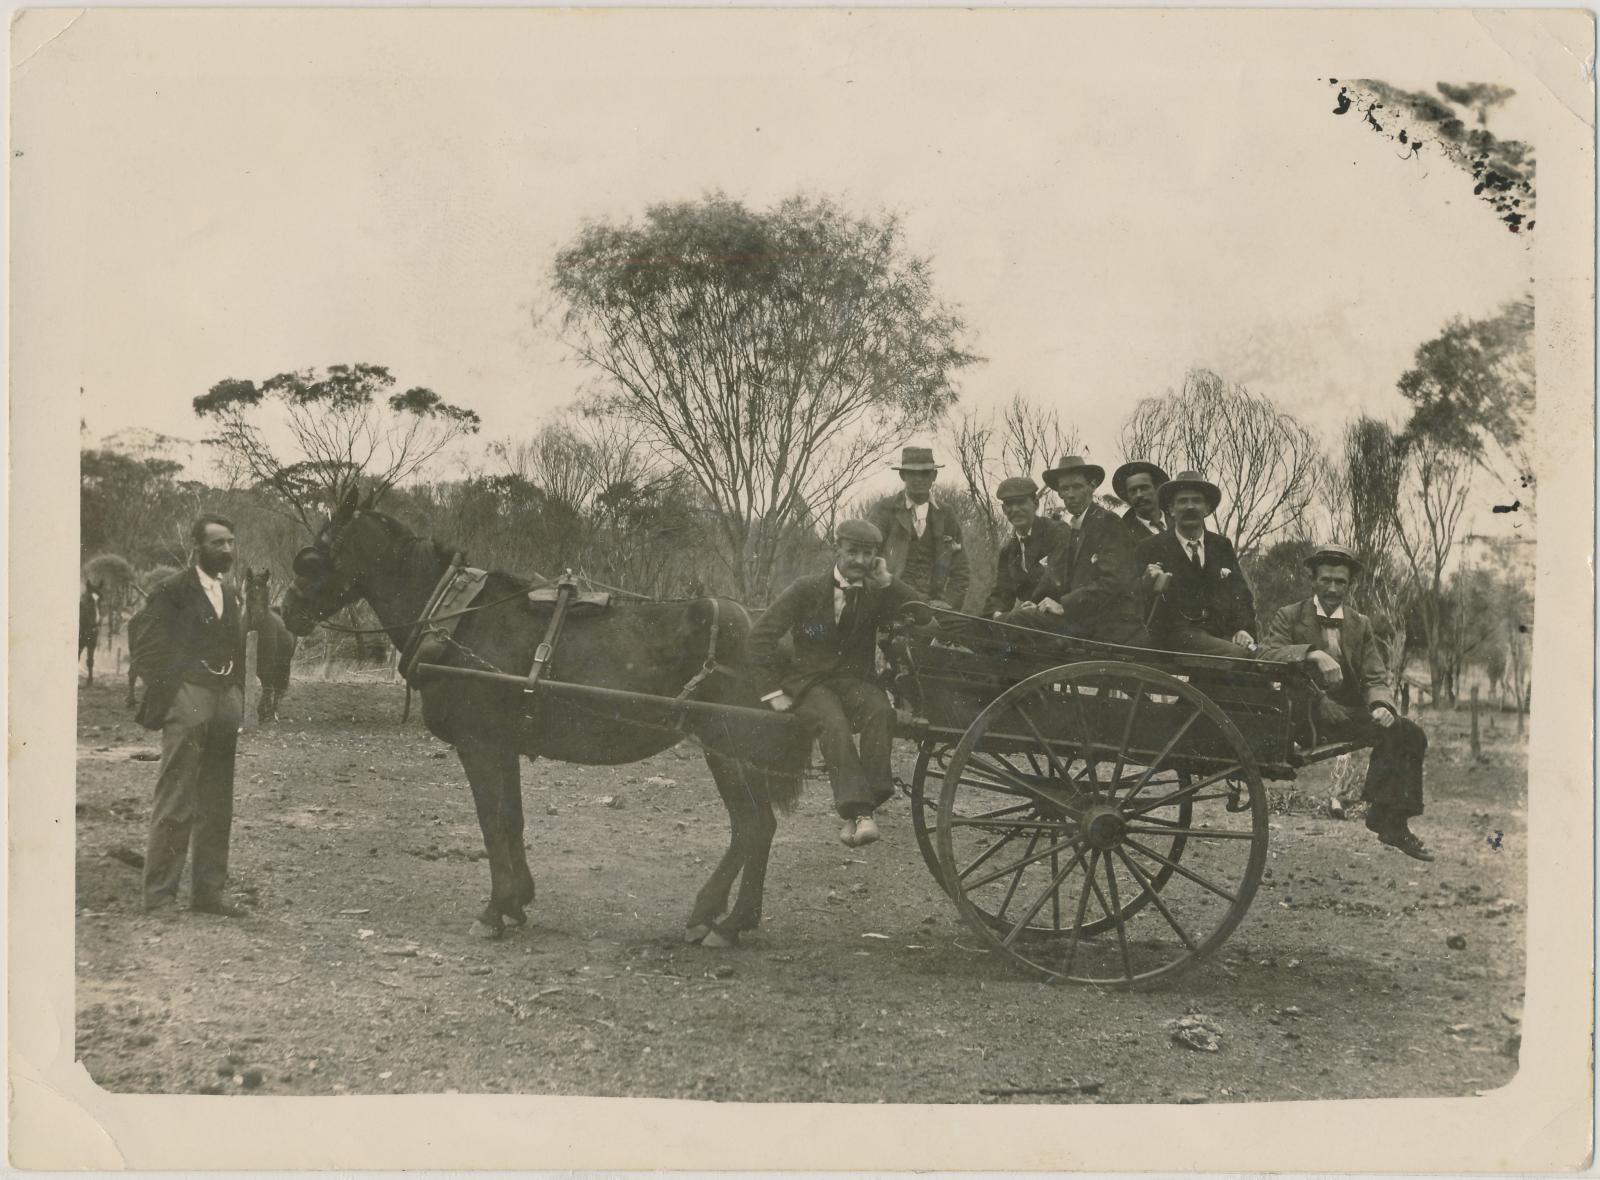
356	842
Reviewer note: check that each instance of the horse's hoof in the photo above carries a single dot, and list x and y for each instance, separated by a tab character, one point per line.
717	941
695	934
515	915
482	929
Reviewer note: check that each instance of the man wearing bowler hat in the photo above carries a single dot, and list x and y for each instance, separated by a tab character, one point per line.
1022	566
1090	588
922	542
1135	484
1336	640
1196	596
832	620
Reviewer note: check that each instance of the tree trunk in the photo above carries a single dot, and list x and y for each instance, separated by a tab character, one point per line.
1477	745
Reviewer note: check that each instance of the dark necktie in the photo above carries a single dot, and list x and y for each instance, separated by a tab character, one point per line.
847	616
1330	637
1194	555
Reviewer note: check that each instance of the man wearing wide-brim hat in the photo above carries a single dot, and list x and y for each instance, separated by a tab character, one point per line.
1090	591
1136	483
922	542
832	619
1022	565
1196	598
1337	641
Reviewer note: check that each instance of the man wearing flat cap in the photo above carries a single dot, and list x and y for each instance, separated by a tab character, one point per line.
832	619
1135	484
1089	588
1336	640
1022	566
922	542
1196	596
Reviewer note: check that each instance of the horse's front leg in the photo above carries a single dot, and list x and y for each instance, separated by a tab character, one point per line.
492	769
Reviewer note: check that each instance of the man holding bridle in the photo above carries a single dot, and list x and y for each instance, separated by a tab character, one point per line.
832	619
1336	640
190	649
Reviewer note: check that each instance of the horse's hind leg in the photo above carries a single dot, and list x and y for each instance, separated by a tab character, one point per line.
516	848
758	826
712	900
492	770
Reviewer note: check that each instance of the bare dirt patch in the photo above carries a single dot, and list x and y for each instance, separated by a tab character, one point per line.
355	839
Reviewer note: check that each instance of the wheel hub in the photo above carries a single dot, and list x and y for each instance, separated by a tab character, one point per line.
1104	827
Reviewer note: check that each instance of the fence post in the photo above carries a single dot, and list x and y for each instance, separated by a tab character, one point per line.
252	687
1477	748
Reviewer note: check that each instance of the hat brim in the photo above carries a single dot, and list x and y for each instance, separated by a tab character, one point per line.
1121	476
1168	492
1325	558
916	467
1093	470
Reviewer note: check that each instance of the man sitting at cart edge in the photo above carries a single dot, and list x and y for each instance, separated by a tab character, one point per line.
1135	484
1338	642
1090	587
1022	566
922	541
833	619
1196	598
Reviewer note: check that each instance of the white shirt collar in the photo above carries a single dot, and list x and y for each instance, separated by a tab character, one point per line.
213	590
917	509
1338	612
840	582
1077	521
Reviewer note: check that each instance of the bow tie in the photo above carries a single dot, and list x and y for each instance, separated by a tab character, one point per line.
1325	622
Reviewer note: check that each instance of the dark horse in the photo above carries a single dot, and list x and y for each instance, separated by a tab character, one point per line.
274	643
89	621
646	647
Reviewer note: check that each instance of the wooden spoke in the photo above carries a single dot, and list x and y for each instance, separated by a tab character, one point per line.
1083	904
989	852
1191	833
1088	737
1155	896
1052	890
1162	757
1023	788
1127	734
1027	860
1116	910
1059	770
1181	793
1178	868
1016	879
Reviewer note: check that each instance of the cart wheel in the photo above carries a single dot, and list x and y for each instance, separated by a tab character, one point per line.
925	809
1083	826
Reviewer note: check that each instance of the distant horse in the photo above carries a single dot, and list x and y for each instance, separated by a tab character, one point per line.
274	643
647	647
89	621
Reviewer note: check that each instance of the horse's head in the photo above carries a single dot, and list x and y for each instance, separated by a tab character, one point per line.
257	594
328	574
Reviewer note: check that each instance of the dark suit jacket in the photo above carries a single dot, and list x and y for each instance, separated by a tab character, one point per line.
1092	574
804	611
950	575
173	632
1022	572
1218	603
1137	529
1294	633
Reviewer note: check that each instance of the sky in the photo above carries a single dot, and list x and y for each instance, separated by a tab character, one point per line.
233	195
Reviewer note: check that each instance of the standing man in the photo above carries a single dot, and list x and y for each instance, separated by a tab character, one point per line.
191	655
1337	641
1091	588
922	542
1135	484
1023	563
833	619
1197	599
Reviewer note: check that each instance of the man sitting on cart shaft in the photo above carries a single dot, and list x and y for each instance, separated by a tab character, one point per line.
1196	596
922	542
1022	565
1089	587
1338	642
833	620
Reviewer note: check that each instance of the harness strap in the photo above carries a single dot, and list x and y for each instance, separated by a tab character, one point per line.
423	623
566	589
709	668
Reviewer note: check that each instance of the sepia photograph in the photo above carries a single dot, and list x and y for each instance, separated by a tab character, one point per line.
903	562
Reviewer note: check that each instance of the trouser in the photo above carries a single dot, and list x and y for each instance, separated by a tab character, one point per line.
1186	637
193	810
1394	768
839	706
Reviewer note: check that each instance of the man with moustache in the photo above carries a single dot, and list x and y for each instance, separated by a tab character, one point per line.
1196	596
1090	586
832	620
1135	484
922	543
1336	640
191	651
1023	563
